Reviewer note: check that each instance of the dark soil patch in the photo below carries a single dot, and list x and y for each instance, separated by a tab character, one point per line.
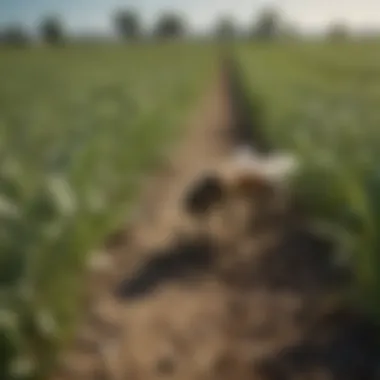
185	259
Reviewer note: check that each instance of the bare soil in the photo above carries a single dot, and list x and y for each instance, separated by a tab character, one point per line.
155	307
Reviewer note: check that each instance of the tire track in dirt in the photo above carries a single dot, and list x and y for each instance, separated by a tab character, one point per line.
179	320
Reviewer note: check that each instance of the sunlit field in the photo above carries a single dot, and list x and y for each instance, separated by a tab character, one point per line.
79	128
321	101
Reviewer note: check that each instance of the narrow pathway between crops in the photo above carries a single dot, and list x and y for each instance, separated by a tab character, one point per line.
177	320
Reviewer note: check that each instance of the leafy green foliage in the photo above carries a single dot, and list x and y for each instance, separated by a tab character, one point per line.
78	129
321	102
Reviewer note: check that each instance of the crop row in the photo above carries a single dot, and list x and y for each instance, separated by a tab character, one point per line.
79	126
321	102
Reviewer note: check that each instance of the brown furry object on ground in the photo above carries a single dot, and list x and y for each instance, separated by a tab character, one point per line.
259	296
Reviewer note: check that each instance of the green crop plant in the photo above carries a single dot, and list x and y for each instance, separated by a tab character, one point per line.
79	126
320	101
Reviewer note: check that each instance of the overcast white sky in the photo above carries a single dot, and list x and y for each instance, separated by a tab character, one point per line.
95	14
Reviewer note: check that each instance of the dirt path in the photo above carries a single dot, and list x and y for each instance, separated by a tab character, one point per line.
205	142
180	321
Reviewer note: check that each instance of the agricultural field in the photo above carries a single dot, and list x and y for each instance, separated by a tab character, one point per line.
321	101
79	127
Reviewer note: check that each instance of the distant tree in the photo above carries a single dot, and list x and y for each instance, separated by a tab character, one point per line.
225	29
268	25
170	25
290	33
52	31
127	24
338	32
15	36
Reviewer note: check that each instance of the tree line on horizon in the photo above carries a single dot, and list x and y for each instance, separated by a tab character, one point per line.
130	28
